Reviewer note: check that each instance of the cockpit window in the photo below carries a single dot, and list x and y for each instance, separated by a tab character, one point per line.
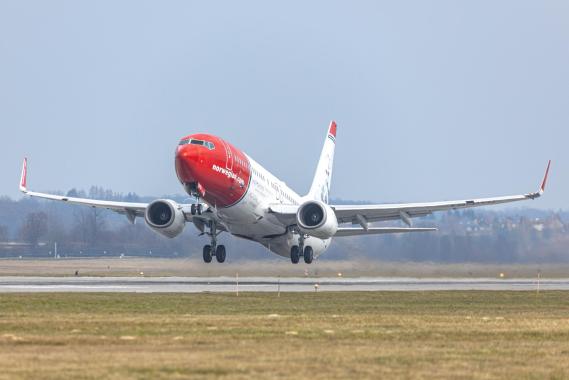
207	144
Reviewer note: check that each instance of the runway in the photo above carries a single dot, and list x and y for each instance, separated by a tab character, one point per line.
265	284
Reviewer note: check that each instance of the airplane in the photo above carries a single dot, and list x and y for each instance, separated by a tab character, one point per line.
235	194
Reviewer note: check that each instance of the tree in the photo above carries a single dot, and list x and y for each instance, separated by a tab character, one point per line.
4	233
76	193
34	227
55	230
89	224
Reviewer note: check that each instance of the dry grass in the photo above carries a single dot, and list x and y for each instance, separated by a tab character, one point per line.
413	335
271	267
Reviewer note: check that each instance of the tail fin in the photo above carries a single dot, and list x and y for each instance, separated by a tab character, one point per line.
320	188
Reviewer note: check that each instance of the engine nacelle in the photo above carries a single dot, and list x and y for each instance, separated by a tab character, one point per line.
317	219
165	217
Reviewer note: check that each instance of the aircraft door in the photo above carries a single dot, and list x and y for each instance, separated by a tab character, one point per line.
228	157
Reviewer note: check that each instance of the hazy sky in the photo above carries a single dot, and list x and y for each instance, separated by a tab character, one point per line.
434	100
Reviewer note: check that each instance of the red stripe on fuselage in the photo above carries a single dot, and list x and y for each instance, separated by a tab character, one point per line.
224	172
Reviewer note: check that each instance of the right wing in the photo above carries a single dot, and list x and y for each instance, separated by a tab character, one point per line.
127	208
130	209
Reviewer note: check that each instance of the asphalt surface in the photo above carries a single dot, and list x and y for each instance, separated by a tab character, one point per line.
264	284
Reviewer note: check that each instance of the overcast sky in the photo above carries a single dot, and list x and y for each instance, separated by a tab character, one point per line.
434	100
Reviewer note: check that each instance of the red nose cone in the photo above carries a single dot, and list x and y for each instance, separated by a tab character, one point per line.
187	161
213	169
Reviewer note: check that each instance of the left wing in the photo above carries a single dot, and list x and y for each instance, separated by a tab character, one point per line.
130	209
350	231
364	214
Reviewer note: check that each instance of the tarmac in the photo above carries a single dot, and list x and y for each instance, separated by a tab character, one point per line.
267	284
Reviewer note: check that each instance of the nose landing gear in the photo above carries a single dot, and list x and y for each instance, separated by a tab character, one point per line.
196	209
197	191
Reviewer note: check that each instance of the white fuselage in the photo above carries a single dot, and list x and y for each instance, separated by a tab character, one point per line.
250	217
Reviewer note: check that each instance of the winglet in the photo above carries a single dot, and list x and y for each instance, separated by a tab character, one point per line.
332	129
544	182
539	193
24	177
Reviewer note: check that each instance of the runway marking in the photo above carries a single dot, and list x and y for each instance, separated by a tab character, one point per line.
269	284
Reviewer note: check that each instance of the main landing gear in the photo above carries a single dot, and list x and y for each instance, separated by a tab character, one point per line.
213	249
300	250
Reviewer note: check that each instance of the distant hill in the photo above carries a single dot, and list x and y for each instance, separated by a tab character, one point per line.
482	235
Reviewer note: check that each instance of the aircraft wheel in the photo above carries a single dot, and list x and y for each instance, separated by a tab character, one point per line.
308	254
220	253
199	209
193	209
207	253
295	254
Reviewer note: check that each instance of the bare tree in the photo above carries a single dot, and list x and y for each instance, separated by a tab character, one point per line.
4	235
55	230
34	227
89	224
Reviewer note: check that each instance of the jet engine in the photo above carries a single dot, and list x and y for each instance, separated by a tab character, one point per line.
165	217
317	219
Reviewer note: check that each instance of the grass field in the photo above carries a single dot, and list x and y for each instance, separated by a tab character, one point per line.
132	266
411	335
